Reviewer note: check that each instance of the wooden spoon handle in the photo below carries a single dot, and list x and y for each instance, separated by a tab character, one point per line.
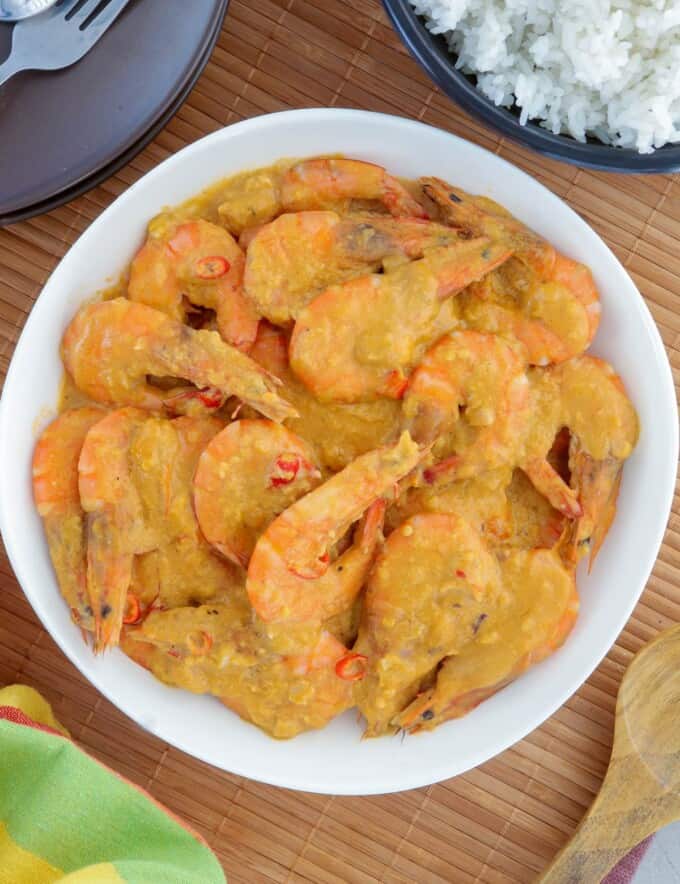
588	857
607	833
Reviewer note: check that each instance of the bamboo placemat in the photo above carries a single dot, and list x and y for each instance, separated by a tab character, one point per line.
506	819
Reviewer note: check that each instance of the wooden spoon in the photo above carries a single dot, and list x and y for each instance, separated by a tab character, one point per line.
641	790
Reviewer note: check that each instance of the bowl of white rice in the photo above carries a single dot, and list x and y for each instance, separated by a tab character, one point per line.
591	82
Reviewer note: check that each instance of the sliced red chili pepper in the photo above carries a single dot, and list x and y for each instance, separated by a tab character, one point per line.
212	267
211	397
351	667
460	574
133	610
199	642
286	468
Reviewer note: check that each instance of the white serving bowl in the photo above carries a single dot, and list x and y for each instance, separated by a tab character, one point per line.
336	760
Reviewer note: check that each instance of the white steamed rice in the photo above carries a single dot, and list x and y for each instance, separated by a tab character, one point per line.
604	68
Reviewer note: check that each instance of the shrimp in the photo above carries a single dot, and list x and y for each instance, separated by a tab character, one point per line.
110	348
290	576
588	397
360	340
432	586
547	301
117	525
184	646
481	500
183	568
339	432
303	691
299	254
470	396
212	649
323	182
246	476
316	183
193	436
539	606
55	489
199	263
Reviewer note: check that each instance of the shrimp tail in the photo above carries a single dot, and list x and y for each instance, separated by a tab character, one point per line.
597	484
109	572
547	481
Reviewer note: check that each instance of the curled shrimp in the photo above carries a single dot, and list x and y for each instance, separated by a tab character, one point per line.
323	182
212	649
117	524
304	690
183	569
360	340
291	576
539	606
245	477
316	183
185	645
55	489
338	431
299	254
192	434
110	348
586	396
546	300
470	396
433	584
195	263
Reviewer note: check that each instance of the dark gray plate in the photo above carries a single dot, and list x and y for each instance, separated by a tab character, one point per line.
62	132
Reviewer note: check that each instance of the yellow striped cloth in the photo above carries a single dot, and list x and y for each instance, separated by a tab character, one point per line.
64	817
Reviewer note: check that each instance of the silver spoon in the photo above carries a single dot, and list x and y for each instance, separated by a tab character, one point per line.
15	10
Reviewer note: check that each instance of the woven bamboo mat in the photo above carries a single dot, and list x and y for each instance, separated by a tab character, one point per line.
506	819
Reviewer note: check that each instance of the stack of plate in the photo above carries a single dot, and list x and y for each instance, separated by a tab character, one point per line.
63	132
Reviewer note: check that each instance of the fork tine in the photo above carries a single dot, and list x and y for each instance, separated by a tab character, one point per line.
104	16
77	14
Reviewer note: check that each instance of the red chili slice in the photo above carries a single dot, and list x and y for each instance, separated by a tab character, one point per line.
211	397
461	574
286	468
351	667
212	267
133	610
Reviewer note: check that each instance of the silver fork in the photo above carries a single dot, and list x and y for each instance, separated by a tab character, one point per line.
59	37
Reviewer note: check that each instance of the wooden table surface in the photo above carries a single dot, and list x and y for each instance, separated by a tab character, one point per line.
504	820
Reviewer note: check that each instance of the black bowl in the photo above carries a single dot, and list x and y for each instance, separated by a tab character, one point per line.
433	55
